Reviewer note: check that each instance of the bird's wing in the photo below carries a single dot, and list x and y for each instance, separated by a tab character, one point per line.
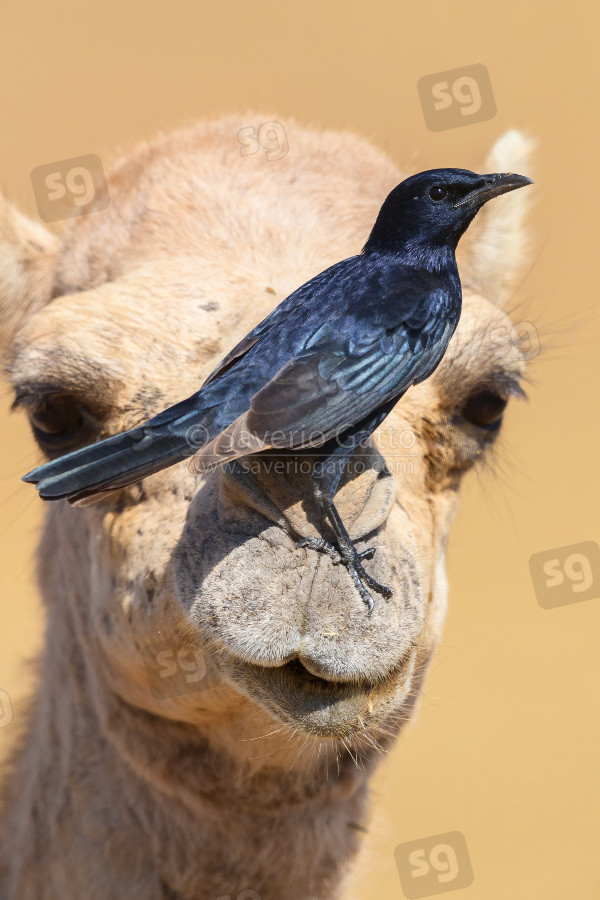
333	383
342	370
277	317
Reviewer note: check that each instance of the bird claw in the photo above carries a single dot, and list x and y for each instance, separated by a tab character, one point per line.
352	560
367	554
320	546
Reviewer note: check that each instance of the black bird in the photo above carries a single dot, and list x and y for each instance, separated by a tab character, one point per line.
323	370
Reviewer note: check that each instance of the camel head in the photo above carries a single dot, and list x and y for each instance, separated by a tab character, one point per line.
186	594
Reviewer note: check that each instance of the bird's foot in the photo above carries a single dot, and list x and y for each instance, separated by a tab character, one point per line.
320	546
330	550
351	558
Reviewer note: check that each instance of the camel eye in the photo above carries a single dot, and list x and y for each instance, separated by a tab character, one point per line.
61	423
484	410
437	192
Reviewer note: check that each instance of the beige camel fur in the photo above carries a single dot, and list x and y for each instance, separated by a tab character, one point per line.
212	702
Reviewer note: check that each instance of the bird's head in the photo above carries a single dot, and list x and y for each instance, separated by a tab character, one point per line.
430	211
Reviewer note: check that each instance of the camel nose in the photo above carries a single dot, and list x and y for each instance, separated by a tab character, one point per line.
281	488
339	641
244	582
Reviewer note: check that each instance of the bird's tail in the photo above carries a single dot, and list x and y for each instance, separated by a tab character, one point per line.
88	474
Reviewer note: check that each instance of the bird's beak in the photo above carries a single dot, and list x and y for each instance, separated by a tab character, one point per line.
494	186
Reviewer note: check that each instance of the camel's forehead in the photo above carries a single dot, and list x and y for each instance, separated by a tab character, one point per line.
195	195
197	245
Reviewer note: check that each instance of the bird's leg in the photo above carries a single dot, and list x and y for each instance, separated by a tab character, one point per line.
345	552
351	557
327	476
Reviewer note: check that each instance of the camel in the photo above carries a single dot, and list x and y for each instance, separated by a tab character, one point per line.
212	701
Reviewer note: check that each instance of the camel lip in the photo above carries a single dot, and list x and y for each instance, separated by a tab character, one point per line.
299	674
321	706
295	676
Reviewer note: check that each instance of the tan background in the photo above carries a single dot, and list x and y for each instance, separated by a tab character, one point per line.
506	744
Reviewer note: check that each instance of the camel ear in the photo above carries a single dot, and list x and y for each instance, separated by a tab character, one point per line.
27	252
491	260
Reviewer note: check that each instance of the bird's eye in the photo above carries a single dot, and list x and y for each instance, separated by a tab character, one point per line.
61	424
485	410
437	192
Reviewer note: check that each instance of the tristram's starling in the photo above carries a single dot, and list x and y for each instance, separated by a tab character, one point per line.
323	370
